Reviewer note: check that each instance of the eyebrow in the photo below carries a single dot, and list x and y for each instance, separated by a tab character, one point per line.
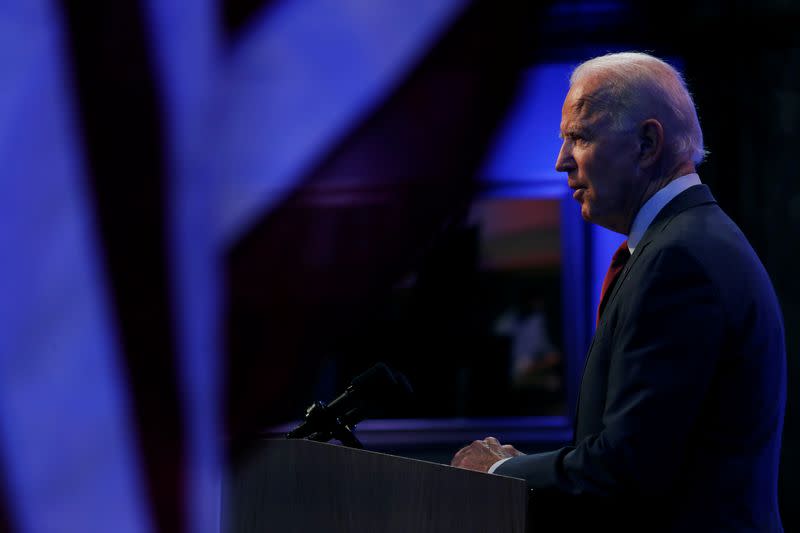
573	130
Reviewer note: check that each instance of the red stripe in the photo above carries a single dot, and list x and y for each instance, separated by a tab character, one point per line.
121	124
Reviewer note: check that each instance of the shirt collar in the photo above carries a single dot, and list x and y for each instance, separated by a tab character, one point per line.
655	204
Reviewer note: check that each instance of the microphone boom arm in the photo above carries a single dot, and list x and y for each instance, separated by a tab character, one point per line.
321	425
377	386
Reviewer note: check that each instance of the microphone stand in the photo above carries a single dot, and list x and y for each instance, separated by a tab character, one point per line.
321	425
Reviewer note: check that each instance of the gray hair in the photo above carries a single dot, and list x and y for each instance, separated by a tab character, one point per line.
627	76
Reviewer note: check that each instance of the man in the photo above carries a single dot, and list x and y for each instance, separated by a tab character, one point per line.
680	413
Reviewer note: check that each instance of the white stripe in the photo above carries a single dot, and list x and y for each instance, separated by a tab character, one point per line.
64	405
186	52
301	77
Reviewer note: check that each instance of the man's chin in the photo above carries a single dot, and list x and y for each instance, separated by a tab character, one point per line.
586	213
597	219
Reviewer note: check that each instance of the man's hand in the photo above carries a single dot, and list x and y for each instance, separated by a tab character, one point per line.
482	454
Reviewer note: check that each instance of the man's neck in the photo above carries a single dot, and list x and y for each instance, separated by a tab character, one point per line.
656	184
650	210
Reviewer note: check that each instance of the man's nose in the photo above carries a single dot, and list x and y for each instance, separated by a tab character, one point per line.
564	162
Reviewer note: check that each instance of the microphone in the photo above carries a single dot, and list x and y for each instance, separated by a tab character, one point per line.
369	392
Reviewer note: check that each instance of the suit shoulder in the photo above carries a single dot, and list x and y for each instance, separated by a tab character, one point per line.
709	236
708	240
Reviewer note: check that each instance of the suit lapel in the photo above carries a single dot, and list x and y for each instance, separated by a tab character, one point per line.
637	253
691	197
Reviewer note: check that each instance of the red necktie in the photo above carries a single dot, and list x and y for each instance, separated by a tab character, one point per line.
618	261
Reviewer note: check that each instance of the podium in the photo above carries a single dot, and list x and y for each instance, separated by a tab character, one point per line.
299	486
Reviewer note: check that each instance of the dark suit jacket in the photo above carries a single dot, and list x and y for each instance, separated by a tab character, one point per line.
681	405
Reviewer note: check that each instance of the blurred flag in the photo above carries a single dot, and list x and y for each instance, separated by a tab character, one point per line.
197	199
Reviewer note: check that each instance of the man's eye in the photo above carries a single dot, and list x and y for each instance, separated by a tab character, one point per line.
574	137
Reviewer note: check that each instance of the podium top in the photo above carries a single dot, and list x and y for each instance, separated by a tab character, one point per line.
304	486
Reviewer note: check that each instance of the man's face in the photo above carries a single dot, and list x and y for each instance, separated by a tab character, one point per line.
601	164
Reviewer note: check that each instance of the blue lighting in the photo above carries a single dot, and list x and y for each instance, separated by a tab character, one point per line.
522	158
302	77
521	164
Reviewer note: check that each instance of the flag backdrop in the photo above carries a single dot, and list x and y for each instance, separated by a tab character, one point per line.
195	197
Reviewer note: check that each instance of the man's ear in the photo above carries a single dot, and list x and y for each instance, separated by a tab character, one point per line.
651	142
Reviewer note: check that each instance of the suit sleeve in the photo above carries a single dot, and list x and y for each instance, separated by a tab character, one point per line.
666	346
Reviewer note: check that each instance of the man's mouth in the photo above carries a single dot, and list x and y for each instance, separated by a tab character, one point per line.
580	190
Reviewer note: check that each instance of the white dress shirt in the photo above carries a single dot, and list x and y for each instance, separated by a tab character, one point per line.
655	204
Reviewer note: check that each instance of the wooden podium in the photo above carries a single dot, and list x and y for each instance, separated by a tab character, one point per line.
298	486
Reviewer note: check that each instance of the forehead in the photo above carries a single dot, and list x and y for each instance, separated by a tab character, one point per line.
578	110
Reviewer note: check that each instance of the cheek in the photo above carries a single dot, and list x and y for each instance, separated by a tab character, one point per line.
604	179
